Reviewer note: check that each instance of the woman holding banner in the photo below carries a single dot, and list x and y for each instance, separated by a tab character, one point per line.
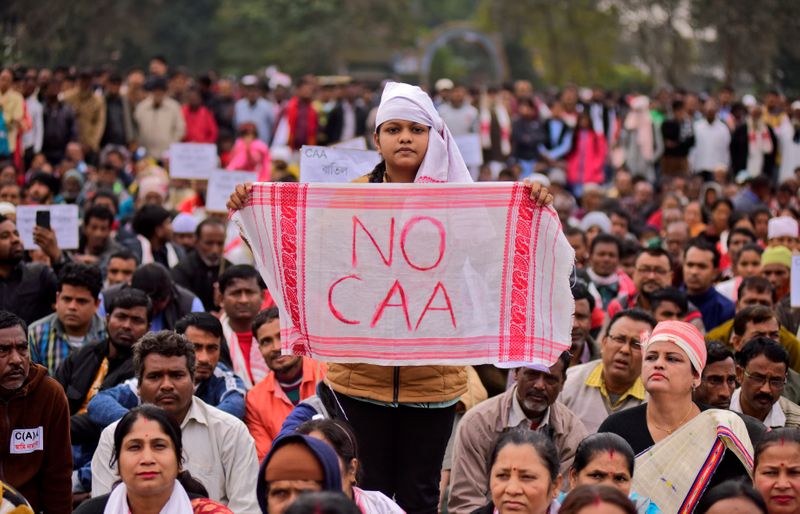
403	416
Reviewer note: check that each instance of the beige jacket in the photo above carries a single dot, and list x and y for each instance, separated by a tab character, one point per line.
90	110
477	432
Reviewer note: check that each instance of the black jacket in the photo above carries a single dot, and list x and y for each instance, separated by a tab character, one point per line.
29	292
76	375
740	147
180	306
333	130
199	278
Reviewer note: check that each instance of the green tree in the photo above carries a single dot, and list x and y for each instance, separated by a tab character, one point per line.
567	41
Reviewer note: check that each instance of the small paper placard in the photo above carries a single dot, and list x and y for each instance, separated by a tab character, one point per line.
192	160
63	221
221	185
329	164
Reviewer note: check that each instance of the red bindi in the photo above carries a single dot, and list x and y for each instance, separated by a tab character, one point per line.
611	452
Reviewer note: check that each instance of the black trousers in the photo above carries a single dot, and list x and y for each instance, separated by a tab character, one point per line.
401	450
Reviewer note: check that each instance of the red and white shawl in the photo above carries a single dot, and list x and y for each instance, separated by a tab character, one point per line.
410	274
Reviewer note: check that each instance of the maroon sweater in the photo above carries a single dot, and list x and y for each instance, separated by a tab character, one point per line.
35	420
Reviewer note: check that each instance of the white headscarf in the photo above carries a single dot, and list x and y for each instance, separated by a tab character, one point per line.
443	161
178	503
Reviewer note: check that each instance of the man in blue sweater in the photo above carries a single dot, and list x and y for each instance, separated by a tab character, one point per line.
700	269
215	383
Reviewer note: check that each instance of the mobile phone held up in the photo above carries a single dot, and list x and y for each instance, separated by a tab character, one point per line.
43	219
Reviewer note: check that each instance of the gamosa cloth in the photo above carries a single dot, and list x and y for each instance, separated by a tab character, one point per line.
410	274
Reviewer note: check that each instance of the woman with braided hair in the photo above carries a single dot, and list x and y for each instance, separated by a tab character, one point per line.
403	416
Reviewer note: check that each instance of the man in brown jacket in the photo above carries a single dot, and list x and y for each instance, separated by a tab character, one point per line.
90	110
35	449
530	404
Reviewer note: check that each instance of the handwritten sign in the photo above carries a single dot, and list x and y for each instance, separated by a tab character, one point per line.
795	281
471	149
63	221
221	185
329	164
412	274
192	160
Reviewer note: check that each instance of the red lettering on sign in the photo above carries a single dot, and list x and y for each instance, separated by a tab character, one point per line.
442	240
387	261
385	303
333	309
428	307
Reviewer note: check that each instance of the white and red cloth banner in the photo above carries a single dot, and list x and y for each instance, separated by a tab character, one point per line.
413	274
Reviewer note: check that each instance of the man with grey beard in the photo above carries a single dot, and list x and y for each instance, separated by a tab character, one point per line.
530	404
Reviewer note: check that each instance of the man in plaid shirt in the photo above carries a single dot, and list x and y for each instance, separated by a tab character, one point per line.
75	322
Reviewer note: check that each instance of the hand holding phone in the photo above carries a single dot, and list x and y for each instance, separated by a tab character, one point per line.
43	219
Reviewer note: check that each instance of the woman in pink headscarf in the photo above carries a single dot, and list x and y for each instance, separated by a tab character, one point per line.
694	445
403	417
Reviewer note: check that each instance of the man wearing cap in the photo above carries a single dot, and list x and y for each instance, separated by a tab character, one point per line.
460	116
776	266
159	119
597	389
254	108
762	366
183	228
530	404
783	231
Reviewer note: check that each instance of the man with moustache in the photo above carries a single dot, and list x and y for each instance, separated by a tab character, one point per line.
26	289
214	382
35	456
595	390
531	403
291	379
200	270
719	377
652	271
218	450
761	367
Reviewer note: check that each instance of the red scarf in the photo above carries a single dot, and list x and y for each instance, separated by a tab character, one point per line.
292	109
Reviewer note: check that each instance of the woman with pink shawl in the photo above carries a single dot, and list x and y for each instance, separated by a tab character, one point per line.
251	154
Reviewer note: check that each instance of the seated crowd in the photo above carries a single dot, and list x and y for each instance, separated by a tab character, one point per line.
142	371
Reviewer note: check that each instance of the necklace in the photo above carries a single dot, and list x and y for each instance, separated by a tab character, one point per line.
680	423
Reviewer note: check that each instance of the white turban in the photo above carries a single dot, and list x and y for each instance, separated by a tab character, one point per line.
442	161
782	226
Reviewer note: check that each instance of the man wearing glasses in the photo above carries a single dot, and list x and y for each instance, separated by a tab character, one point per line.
35	451
719	377
595	390
761	367
652	272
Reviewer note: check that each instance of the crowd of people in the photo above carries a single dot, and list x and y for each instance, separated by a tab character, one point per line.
142	371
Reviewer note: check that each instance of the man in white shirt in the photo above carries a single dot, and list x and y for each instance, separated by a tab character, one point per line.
761	368
712	141
219	450
460	116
